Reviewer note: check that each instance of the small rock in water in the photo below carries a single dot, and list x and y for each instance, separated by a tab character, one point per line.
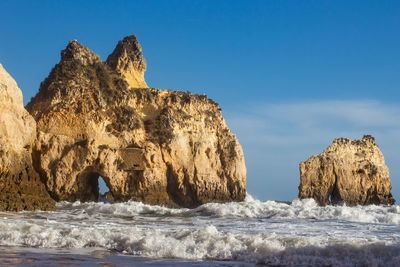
347	172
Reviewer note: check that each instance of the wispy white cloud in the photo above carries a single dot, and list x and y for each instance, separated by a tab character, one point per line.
359	113
308	122
276	137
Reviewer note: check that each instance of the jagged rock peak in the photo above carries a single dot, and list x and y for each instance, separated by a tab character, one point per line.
348	171
76	71
78	52
131	47
127	58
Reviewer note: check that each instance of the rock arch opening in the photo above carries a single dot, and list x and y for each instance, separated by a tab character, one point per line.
104	192
91	186
103	188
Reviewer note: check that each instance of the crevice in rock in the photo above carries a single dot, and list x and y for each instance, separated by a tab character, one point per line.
334	196
42	174
171	185
183	196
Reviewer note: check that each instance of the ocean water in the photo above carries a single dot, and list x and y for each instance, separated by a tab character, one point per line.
297	233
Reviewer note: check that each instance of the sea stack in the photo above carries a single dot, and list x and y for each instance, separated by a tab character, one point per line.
157	146
20	185
347	172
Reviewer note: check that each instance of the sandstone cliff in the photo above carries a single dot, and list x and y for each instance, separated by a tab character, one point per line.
351	172
158	146
20	185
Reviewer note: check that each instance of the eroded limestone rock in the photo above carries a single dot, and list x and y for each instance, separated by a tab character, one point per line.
20	185
350	172
128	60
151	145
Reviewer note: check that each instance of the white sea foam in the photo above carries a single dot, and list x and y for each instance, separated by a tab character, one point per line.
297	233
250	208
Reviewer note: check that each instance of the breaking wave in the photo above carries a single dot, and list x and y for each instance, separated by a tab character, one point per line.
275	233
250	208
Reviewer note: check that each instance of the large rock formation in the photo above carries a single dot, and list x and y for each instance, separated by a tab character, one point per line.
157	146
20	185
350	172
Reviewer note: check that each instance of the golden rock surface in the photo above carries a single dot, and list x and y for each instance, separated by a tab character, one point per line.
20	185
157	146
350	172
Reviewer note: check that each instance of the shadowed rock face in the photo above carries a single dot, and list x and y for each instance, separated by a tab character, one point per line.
20	185
350	172
151	145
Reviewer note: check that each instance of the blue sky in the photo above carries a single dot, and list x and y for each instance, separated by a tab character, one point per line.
289	75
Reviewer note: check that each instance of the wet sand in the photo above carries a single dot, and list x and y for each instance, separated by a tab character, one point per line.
12	256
